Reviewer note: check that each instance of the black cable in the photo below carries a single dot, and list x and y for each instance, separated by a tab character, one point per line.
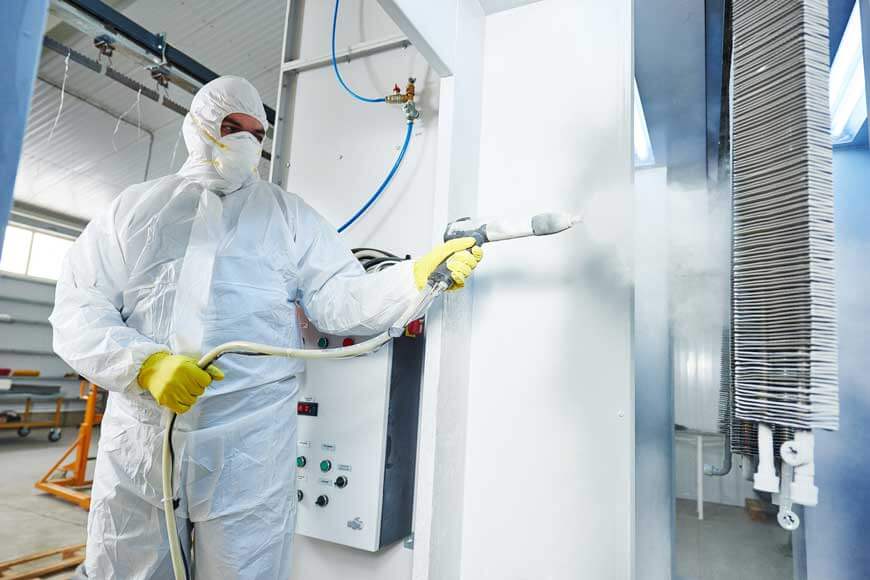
372	262
384	252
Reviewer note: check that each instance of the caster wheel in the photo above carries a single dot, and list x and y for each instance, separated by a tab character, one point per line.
788	520
23	431
54	434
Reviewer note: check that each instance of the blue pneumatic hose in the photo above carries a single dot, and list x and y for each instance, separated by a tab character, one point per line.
386	182
335	65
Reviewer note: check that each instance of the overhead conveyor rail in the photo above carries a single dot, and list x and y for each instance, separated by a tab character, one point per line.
112	73
106	69
97	18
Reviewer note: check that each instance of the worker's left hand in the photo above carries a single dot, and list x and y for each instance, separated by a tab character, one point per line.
461	256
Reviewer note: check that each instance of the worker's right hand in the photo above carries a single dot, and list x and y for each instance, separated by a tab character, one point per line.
461	256
175	381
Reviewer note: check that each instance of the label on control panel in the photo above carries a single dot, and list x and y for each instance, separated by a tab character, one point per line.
327	446
343	467
325	481
303	443
300	477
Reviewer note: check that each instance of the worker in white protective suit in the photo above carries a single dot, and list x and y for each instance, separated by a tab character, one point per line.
173	268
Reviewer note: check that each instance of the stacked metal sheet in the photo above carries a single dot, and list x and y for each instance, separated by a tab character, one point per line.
726	398
784	319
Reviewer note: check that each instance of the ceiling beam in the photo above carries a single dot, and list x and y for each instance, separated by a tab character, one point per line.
154	45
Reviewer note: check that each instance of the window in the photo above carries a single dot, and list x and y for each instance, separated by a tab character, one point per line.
32	253
848	95
16	250
643	152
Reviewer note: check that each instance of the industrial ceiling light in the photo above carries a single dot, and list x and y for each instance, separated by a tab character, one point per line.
643	152
848	94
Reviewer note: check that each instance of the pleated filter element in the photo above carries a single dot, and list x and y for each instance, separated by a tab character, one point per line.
783	306
726	415
742	434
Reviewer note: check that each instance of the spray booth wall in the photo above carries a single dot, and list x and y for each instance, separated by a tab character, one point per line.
836	530
549	473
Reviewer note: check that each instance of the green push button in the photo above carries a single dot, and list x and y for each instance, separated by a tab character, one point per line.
323	342
301	461
325	465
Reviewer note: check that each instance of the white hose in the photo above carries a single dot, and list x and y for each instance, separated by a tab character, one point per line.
413	312
178	569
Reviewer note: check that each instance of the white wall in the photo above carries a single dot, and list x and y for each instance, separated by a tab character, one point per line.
340	152
654	399
550	447
28	346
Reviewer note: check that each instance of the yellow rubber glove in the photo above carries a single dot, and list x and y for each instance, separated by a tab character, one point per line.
175	381
461	255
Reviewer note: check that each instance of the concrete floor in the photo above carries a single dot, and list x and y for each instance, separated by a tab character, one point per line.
726	545
34	521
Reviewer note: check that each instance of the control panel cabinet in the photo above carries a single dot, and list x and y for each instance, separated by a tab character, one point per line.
357	442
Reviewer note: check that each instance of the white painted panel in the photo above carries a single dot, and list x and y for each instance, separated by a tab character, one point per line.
432	26
492	6
358	21
550	450
342	149
654	401
325	561
441	464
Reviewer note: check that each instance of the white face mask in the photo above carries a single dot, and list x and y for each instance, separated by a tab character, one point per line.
237	160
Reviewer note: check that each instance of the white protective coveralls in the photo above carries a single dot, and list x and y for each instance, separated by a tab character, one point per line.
185	263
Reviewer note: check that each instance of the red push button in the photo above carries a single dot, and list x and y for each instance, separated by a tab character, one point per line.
414	328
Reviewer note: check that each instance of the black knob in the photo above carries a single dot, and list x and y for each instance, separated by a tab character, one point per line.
321	500
299	495
340	482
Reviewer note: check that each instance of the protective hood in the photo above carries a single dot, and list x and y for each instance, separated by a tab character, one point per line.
202	130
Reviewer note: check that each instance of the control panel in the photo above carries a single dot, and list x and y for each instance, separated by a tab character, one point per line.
357	441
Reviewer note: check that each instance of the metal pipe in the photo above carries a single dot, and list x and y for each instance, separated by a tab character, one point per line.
24	352
17	300
354	51
96	18
148	158
9	319
699	442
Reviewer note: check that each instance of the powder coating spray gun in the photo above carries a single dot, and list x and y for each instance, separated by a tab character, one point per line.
440	280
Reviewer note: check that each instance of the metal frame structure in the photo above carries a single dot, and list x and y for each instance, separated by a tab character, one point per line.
292	65
26	424
99	19
74	487
42	564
